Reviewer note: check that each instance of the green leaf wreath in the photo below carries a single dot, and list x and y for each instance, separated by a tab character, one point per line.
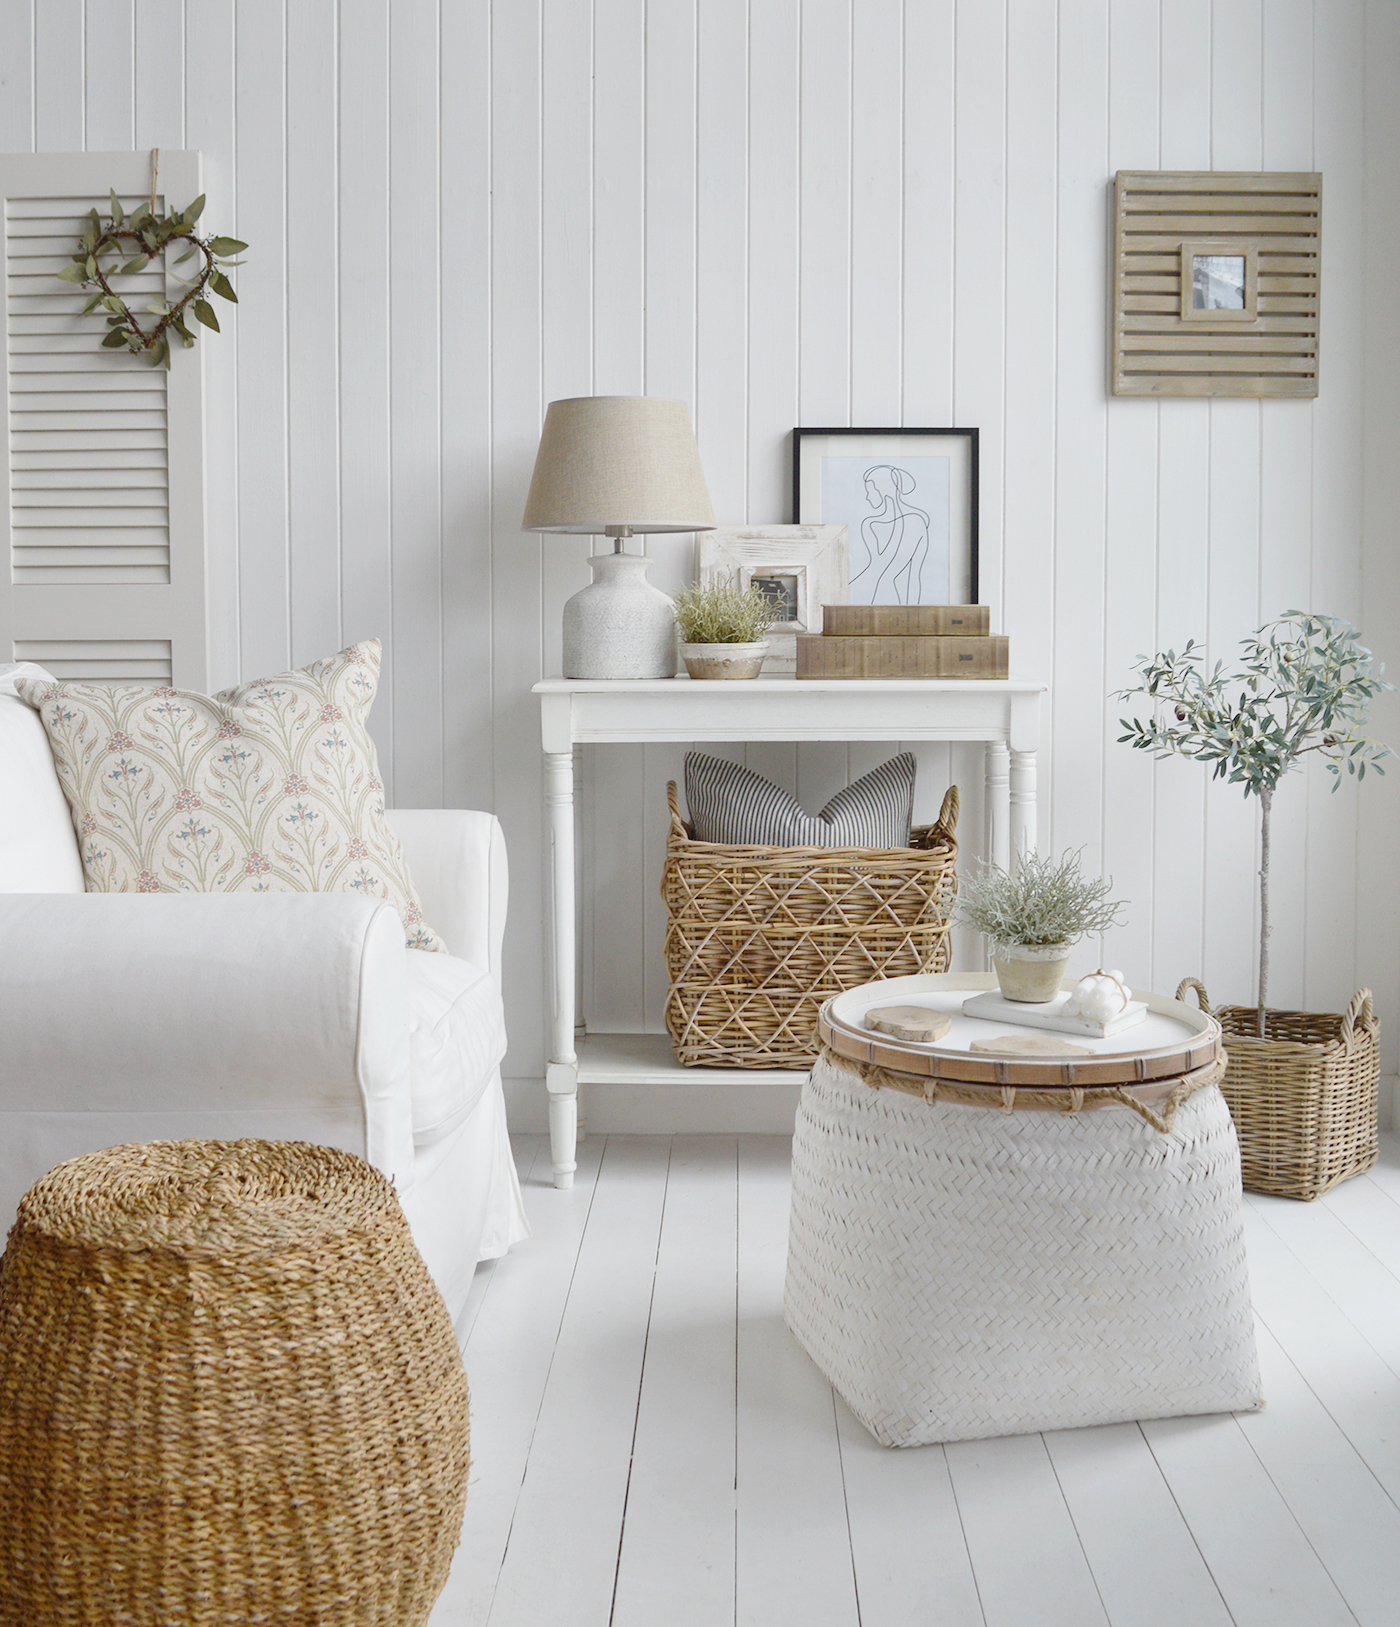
127	244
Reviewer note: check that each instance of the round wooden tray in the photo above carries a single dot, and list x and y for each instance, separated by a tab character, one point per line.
1174	1039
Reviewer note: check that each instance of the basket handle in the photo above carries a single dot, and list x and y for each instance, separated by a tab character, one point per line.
679	829
948	814
1359	1011
1196	987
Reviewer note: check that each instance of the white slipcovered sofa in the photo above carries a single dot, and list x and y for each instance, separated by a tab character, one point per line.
128	1017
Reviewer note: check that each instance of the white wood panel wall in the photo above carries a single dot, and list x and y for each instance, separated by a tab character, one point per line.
820	211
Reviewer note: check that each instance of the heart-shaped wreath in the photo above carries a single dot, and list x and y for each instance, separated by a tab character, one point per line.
136	240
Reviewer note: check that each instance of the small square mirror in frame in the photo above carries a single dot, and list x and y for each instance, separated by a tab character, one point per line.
1219	282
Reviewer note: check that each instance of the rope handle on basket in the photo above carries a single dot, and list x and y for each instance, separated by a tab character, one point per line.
1161	1122
948	813
1198	988
679	827
1360	1010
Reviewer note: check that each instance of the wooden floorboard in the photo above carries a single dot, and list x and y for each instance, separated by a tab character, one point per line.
1342	1509
1352	1276
1343	1370
1147	1566
792	1552
561	1561
677	1562
1026	1553
1386	1173
650	1445
910	1554
1372	1215
508	1359
1262	1562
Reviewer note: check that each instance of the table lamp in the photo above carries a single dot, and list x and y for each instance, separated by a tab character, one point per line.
614	465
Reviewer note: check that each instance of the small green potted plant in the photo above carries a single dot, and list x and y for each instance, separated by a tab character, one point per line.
722	629
1033	916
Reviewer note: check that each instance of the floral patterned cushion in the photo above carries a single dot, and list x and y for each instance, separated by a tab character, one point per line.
269	787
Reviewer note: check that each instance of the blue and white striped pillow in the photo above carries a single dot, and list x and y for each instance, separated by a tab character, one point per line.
732	805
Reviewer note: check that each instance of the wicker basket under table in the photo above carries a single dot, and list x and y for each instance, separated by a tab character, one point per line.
1304	1098
230	1393
758	937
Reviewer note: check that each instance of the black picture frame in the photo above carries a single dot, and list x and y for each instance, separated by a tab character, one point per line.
802	514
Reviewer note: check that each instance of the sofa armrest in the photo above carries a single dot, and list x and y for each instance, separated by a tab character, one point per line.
111	1003
457	859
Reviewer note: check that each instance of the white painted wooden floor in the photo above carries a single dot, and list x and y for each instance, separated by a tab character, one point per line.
651	1449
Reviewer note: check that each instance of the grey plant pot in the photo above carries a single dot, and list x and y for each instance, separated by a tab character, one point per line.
1030	972
724	660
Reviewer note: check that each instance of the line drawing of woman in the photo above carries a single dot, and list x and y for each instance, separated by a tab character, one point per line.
895	539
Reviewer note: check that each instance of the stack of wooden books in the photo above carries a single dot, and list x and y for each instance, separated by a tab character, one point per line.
903	641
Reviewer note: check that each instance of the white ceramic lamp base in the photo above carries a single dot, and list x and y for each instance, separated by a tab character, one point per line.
619	626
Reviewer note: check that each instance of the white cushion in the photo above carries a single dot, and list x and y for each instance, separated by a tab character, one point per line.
734	806
457	1037
38	847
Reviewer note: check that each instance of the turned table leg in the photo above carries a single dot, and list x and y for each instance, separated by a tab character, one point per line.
1022	804
998	848
561	1071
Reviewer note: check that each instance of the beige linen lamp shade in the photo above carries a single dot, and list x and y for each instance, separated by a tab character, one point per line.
618	461
618	464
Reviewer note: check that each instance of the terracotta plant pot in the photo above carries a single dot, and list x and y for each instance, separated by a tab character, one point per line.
724	660
1030	972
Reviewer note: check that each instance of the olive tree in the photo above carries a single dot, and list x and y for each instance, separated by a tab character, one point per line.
1303	685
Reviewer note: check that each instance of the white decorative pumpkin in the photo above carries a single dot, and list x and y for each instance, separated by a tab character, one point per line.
1100	997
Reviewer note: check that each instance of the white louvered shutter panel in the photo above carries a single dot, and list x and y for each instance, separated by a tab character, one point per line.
104	505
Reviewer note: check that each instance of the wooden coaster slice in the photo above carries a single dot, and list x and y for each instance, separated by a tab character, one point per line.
1030	1045
918	1024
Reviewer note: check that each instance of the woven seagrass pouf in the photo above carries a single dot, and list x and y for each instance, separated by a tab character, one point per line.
229	1393
959	1272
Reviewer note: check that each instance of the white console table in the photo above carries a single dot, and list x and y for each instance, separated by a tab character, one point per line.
1002	713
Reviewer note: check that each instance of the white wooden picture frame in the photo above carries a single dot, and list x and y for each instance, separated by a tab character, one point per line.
807	564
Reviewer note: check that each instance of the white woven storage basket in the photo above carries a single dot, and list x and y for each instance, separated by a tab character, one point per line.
960	1272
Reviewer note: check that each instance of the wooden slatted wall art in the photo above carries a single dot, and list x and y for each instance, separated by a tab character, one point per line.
103	548
1216	283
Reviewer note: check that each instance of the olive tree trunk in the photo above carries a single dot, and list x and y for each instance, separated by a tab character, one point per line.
1266	802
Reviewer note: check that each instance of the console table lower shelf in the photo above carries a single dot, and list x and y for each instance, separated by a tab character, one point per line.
1003	714
636	1078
